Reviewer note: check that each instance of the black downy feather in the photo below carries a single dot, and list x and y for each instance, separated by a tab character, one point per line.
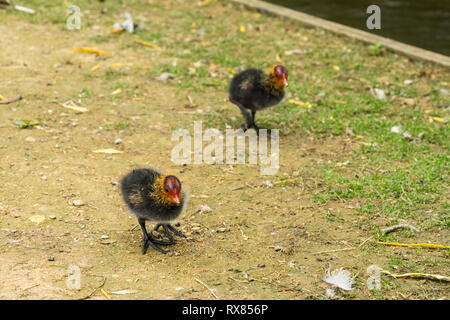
251	88
137	191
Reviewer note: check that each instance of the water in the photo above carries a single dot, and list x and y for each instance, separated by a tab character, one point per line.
422	23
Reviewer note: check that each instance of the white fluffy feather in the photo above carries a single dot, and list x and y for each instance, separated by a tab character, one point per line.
340	278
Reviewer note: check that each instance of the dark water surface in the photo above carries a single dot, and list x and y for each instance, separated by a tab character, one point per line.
422	23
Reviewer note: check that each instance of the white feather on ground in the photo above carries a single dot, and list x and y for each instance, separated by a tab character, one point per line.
340	278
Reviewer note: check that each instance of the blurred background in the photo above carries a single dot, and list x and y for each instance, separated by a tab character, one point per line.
422	23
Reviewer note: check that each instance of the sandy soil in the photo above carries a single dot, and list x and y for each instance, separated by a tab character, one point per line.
45	168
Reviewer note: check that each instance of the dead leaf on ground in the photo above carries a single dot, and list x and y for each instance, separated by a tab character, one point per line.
108	151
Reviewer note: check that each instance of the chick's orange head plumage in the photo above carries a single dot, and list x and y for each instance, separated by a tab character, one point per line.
172	188
280	73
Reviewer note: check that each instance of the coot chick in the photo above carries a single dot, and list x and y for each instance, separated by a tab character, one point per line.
255	90
156	197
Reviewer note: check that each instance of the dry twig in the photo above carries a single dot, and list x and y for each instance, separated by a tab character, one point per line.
424	245
206	286
95	290
419	276
397	227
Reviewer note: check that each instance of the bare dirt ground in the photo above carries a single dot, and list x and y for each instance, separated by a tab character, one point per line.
45	168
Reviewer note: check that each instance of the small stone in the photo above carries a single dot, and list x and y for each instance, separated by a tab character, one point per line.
278	248
268	183
78	203
261	265
105	237
222	229
37	218
444	92
118	141
30	139
164	77
52	217
205	208
379	93
51	258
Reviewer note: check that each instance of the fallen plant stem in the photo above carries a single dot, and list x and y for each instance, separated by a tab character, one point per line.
95	290
425	245
397	227
362	243
335	250
206	286
418	276
11	100
105	294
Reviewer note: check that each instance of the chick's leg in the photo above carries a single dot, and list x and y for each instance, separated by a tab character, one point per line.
175	231
167	229
147	240
248	118
166	233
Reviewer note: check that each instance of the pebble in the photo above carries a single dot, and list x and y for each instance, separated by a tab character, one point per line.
51	258
268	183
36	218
52	217
78	203
164	77
379	93
278	248
444	92
30	139
261	265
118	141
205	208
105	236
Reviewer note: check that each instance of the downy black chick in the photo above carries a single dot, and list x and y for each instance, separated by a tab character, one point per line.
156	197
255	90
